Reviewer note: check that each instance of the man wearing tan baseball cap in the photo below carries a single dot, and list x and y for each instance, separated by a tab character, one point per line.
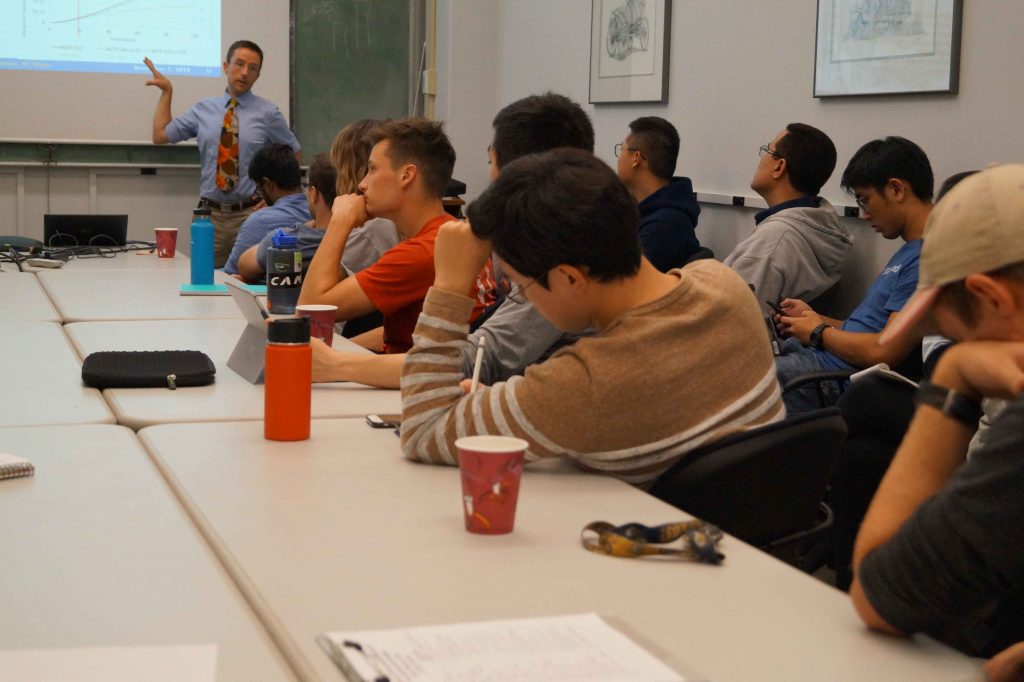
939	551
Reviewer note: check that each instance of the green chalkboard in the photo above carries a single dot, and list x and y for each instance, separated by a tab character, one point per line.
350	60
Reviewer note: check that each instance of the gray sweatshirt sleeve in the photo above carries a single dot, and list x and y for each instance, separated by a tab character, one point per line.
516	336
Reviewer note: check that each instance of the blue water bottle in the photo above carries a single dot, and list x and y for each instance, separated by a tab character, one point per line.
201	246
284	272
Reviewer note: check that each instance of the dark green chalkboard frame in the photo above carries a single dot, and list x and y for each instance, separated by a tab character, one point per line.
351	59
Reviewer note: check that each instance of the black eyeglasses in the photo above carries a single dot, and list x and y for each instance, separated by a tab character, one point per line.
763	149
511	290
620	146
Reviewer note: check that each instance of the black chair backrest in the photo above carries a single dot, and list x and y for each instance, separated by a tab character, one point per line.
763	484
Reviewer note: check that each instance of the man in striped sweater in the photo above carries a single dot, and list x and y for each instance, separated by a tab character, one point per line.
680	358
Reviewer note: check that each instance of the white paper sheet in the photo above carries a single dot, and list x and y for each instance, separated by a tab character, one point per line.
565	648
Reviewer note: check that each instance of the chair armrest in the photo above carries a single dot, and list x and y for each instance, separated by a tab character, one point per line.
838	375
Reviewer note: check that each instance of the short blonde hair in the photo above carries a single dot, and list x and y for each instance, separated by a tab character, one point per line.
350	153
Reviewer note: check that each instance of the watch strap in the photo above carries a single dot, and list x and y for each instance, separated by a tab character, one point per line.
817	336
949	402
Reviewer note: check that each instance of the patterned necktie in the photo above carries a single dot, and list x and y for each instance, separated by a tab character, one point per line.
227	150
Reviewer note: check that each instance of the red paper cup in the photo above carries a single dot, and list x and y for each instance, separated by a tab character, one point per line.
321	320
491	468
166	241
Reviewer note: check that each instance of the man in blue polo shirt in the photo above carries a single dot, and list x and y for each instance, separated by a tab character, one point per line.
278	180
230	129
892	182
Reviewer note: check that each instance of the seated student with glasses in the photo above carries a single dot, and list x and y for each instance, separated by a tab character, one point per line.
276	173
892	182
798	246
668	209
624	402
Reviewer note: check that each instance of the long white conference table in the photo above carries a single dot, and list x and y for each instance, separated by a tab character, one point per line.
42	378
338	532
103	573
130	294
23	298
130	260
230	397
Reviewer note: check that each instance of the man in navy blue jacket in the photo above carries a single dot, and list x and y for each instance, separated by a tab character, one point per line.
668	209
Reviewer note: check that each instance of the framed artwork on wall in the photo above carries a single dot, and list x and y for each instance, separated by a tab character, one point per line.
886	47
629	50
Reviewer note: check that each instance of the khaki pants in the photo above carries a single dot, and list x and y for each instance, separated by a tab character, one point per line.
225	229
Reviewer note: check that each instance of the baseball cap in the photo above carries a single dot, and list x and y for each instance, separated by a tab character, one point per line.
977	227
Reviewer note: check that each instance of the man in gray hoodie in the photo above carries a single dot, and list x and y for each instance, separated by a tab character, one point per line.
798	246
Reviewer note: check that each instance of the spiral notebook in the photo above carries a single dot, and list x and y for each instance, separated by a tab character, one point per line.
12	466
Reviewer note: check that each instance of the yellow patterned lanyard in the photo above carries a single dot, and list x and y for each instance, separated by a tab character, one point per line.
635	540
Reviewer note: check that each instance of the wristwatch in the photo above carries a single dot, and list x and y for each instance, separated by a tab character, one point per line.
949	402
816	340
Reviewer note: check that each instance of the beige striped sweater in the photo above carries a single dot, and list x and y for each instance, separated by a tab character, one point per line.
661	380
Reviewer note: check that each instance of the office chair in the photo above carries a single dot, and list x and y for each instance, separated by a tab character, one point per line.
912	368
765	486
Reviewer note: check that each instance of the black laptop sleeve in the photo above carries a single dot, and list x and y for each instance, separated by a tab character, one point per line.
147	369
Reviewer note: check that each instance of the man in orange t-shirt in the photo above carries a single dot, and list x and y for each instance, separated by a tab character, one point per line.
409	168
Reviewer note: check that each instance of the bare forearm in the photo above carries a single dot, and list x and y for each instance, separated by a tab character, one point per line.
831	321
862	349
162	117
380	371
371	340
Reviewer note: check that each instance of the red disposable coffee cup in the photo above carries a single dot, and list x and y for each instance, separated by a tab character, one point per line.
166	241
321	320
491	467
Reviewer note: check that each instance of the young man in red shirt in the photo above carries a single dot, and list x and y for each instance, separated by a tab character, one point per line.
409	168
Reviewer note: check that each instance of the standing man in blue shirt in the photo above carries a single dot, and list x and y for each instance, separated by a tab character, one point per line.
892	181
230	129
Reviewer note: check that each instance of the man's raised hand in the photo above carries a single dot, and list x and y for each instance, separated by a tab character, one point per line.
159	80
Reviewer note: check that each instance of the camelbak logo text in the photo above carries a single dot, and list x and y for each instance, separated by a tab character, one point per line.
289	280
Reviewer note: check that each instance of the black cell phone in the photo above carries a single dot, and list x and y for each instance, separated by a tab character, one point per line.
776	307
384	421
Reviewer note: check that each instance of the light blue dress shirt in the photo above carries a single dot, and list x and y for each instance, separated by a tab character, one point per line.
260	123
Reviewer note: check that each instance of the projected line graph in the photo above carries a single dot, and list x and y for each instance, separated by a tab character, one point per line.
181	36
125	7
122	16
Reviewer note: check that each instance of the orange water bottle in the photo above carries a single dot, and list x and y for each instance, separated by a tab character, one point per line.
288	382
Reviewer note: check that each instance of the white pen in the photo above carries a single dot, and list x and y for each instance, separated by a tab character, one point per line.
476	365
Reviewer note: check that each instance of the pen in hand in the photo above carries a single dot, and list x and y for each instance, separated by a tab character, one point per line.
476	365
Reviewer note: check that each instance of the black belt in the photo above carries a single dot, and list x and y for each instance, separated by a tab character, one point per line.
229	208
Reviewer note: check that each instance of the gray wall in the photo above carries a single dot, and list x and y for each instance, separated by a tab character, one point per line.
740	70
